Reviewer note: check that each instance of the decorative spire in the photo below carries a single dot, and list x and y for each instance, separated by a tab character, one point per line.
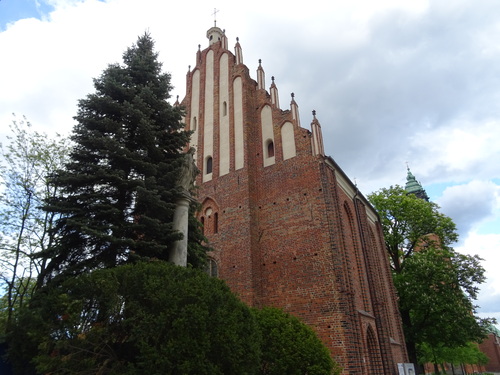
238	52
274	93
224	39
414	187
260	77
317	136
295	110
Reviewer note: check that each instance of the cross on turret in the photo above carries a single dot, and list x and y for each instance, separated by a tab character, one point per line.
215	14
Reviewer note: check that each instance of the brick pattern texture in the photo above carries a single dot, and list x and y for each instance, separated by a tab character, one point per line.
491	347
297	234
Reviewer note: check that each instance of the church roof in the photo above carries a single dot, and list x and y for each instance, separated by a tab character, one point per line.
494	330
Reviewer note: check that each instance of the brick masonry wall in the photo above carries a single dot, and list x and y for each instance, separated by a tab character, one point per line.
288	235
491	347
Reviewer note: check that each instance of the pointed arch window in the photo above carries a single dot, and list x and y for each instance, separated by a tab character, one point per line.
210	218
209	165
374	364
212	268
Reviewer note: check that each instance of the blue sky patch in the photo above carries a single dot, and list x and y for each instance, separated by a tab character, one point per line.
14	10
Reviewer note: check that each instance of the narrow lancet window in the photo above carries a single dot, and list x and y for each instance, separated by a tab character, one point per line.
209	165
211	268
270	149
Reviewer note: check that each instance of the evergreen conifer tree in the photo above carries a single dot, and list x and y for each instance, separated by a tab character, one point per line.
119	188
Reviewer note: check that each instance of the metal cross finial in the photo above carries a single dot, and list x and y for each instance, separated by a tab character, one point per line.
214	14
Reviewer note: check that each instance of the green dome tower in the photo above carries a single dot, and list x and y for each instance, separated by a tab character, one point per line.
414	187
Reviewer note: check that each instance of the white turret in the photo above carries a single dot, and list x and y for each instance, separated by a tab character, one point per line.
215	34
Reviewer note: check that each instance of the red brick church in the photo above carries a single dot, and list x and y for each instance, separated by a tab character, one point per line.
288	227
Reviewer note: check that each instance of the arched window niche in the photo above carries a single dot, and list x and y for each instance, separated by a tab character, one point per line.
212	268
270	148
208	165
210	217
194	124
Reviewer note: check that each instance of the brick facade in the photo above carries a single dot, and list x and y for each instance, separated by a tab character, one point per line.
491	347
288	227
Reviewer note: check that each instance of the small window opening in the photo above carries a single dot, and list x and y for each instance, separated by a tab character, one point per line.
224	109
209	165
195	124
216	222
270	149
211	268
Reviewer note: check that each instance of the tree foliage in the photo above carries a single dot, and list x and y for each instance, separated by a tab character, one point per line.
28	159
119	188
147	318
436	285
291	347
437	289
465	354
154	317
407	221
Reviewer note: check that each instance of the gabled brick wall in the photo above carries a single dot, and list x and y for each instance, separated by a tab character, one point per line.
295	233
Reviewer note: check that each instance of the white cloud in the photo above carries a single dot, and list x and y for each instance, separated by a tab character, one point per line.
471	204
486	246
466	149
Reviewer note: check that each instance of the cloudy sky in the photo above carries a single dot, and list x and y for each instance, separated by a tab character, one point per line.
393	82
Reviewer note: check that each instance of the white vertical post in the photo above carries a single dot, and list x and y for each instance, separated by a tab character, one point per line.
178	255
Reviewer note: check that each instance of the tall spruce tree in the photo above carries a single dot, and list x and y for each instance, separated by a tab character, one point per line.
119	188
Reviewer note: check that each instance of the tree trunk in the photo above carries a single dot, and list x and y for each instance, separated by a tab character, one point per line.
410	344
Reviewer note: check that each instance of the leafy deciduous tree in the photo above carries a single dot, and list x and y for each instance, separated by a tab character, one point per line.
435	284
28	158
461	355
406	220
436	292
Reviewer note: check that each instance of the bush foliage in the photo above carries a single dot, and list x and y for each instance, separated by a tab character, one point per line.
143	318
